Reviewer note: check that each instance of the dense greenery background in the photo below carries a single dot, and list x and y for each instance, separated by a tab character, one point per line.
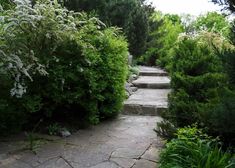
59	64
130	15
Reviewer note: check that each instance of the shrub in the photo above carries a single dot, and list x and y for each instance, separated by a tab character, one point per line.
220	119
192	148
196	76
203	88
66	62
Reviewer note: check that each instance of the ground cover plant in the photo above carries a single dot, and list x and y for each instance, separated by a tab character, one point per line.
193	148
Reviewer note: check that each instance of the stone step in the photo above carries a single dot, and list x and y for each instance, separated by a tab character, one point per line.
151	71
152	82
147	102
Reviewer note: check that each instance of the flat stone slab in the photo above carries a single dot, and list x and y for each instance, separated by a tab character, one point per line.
144	164
151	71
152	82
147	102
128	141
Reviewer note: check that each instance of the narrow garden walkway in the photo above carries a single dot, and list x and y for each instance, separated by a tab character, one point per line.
126	142
151	97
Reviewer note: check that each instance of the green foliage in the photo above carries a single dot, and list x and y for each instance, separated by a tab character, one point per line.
203	86
171	29
153	44
11	119
53	129
220	119
34	143
197	76
213	22
192	148
63	62
228	58
166	129
164	32
224	111
130	15
133	71
6	4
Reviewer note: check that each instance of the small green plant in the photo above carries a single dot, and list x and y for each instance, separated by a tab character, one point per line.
34	143
134	70
194	149
53	129
166	129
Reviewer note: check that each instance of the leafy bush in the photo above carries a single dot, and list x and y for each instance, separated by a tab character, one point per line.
192	148
66	62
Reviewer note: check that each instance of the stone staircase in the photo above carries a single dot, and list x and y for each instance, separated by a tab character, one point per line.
151	97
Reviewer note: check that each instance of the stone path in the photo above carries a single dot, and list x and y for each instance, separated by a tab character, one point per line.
151	97
126	142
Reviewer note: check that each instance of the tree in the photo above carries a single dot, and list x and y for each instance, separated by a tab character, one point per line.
153	43
187	21
164	31
130	15
229	4
213	22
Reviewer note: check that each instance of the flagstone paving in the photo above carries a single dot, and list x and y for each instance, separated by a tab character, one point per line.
126	142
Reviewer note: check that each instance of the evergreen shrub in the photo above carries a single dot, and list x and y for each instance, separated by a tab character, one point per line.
196	75
202	84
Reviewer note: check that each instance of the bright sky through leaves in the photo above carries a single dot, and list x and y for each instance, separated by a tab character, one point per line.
193	7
